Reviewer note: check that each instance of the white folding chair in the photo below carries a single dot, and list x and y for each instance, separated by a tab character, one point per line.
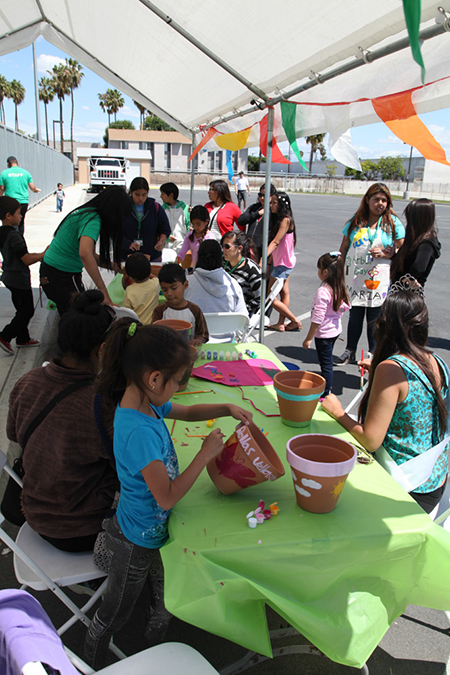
41	566
225	326
126	313
254	321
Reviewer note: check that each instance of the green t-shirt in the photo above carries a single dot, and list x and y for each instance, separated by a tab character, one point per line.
16	182
64	249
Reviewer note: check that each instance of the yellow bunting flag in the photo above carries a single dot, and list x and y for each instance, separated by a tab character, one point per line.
234	141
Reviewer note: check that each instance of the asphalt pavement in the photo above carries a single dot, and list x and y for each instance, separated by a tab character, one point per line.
418	642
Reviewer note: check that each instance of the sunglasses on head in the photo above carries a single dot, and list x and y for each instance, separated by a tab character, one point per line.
227	246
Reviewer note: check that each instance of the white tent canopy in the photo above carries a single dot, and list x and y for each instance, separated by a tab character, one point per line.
194	62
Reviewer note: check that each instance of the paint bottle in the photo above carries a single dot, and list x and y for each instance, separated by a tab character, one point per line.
203	354
227	356
208	355
221	355
234	356
215	355
240	356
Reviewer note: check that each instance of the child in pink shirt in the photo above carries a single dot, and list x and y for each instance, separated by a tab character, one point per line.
329	304
200	232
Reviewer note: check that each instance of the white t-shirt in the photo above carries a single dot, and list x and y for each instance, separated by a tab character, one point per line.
242	183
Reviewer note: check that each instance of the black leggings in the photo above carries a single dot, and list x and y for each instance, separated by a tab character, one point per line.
429	500
59	286
74	544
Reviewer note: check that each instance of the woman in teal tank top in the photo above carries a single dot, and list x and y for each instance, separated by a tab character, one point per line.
404	407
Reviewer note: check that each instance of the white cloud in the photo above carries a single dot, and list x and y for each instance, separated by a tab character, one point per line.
46	62
86	107
131	112
389	139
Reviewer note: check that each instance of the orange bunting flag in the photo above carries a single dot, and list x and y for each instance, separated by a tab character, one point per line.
277	156
207	137
398	113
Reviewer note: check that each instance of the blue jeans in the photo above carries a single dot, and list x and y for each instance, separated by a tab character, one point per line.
355	326
59	204
324	347
131	565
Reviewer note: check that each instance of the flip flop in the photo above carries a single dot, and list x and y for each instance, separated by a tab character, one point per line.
294	327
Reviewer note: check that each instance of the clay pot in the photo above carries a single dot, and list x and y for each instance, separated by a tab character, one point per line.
185	379
371	284
183	327
247	459
298	392
187	262
320	465
156	268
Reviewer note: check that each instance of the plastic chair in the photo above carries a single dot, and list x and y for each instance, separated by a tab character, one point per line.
168	255
254	321
225	326
41	566
125	313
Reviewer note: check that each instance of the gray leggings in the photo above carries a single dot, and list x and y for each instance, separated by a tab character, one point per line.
131	566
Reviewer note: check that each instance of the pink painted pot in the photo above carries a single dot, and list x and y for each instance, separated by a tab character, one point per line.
320	465
247	459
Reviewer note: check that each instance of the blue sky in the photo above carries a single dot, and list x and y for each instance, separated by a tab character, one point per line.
371	141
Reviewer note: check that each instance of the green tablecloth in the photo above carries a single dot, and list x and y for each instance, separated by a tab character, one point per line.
340	578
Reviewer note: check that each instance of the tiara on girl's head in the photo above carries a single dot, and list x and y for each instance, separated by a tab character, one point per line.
406	283
334	254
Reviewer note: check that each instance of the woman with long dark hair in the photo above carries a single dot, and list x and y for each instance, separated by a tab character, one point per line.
146	227
282	241
223	212
421	247
371	238
73	247
403	409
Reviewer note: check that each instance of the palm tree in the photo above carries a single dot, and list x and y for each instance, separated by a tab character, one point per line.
117	101
315	142
17	94
75	75
4	93
61	86
142	111
46	95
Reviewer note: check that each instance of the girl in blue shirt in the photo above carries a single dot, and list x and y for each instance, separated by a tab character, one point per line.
142	367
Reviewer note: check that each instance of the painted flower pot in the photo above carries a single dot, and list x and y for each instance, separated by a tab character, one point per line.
183	327
371	284
156	268
320	465
298	392
247	459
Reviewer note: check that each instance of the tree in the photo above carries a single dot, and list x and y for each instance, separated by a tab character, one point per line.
120	124
17	94
331	170
391	168
369	171
111	102
4	93
316	143
75	73
142	111
61	86
46	95
155	123
253	163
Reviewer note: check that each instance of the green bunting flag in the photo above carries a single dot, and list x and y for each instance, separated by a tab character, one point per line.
412	10
288	116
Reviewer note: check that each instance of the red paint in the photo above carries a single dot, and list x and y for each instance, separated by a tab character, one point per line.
234	470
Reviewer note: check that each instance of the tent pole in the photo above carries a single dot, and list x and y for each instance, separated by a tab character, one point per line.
36	95
265	242
191	194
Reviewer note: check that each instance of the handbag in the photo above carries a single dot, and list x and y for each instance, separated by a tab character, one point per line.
11	506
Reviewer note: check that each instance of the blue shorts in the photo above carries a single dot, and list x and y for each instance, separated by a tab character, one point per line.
280	272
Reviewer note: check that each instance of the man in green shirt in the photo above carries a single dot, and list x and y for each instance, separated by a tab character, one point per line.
14	182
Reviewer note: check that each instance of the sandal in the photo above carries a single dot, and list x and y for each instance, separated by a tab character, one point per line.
293	326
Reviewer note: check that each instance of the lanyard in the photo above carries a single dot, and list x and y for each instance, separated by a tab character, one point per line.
233	268
139	217
372	239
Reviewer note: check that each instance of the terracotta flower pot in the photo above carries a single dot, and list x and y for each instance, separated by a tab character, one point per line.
371	284
298	392
156	268
247	459
183	327
320	465
185	379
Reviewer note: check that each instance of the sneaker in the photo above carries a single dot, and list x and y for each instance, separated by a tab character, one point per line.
6	346
347	357
369	355
30	343
87	587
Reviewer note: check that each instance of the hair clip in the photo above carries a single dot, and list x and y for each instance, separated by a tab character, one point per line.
406	283
132	329
335	254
